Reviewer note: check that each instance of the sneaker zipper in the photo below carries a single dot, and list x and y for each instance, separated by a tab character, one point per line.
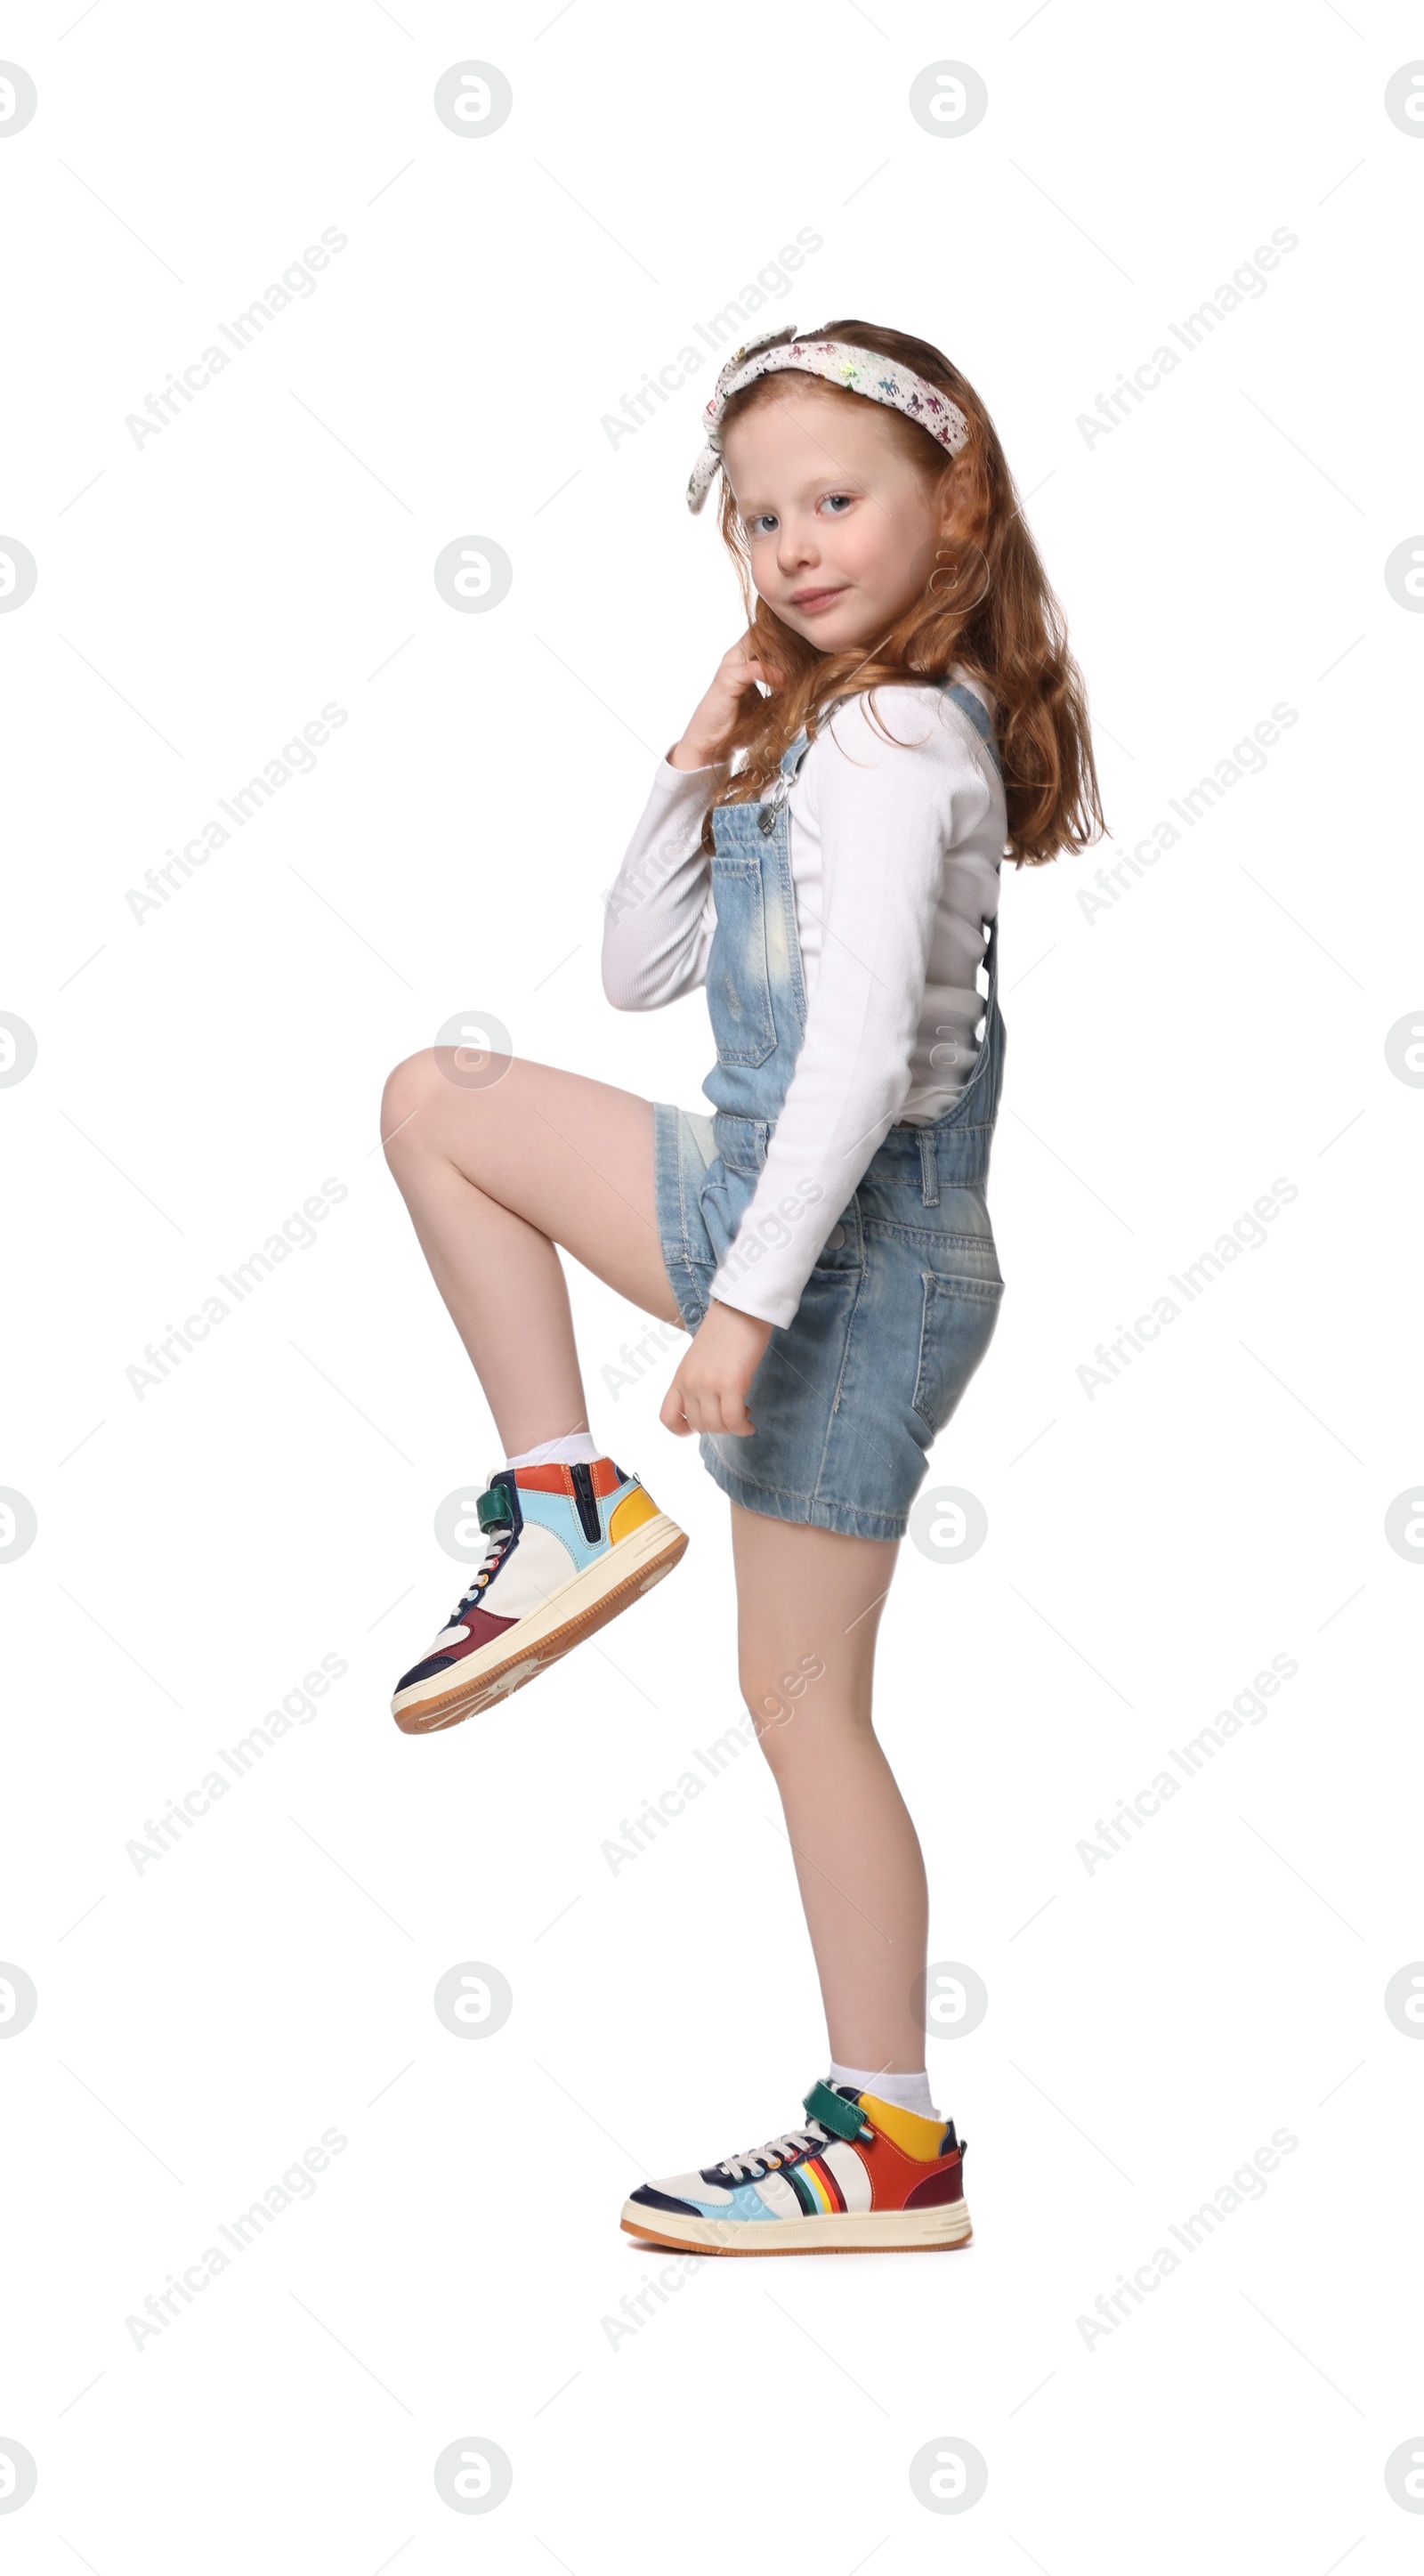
587	1502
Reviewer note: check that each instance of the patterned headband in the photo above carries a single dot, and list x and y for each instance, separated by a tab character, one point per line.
857	371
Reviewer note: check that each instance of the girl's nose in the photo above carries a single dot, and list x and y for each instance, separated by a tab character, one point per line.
795	546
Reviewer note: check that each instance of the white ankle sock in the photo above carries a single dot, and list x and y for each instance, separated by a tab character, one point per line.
907	2092
577	1449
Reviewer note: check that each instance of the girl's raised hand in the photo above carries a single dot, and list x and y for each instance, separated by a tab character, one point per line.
739	670
709	1392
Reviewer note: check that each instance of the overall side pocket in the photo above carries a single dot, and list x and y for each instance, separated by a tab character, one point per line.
957	1319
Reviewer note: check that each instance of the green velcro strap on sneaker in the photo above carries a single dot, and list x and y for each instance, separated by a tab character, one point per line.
493	1508
842	2118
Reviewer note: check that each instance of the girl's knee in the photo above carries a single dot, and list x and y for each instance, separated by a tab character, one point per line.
769	1728
408	1089
751	1682
779	1705
421	1090
774	1690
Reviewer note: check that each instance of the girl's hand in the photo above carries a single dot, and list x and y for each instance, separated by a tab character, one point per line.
713	720
709	1392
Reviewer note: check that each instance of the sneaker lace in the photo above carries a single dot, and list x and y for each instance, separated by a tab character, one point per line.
484	1574
777	2151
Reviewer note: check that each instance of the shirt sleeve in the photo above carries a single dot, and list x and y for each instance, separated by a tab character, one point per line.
888	812
659	919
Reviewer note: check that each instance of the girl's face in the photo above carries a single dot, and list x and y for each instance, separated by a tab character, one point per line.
841	523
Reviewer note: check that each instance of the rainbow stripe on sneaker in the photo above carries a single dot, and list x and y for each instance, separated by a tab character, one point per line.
816	2187
858	2176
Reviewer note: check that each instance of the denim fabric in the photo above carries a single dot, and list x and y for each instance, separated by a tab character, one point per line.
904	1296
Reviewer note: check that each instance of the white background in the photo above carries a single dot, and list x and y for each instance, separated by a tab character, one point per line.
201	1071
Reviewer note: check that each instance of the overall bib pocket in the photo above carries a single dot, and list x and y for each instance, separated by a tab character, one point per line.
738	980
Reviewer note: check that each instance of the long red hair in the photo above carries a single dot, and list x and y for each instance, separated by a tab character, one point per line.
987	606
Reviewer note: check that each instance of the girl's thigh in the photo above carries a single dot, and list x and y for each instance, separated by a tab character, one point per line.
571	1156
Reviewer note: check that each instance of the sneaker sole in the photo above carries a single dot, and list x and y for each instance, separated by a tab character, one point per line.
582	1606
908	2231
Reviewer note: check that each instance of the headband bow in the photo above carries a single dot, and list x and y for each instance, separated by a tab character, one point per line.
857	371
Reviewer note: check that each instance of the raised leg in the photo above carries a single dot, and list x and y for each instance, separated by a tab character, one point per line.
498	1163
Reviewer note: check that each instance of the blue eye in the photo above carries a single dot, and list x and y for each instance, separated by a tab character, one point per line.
759	526
837	501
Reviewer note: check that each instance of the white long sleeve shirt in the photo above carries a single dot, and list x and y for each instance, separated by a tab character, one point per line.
895	852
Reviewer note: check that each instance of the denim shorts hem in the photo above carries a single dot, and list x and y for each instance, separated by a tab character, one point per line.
850	1520
678	1170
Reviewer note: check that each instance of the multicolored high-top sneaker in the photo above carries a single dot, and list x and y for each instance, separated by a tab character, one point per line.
569	1548
860	2176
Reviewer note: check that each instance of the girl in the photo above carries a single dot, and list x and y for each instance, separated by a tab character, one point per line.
821	849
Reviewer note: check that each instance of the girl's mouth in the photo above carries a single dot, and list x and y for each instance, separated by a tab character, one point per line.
811	602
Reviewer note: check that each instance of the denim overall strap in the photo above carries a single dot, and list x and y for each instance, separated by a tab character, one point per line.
973	708
775	804
964	698
954	1149
952	1152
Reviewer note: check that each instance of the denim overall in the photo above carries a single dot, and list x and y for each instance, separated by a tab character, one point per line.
904	1296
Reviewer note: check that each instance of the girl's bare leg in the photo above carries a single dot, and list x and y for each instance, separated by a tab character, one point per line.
803	1594
494	1178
